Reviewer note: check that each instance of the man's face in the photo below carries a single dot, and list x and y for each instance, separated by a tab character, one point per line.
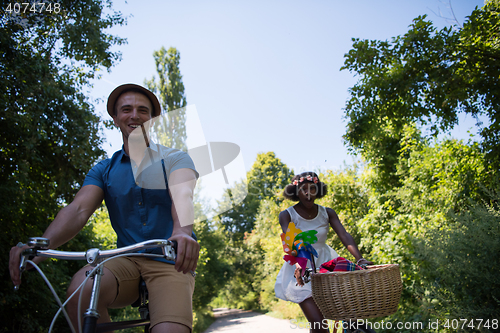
132	110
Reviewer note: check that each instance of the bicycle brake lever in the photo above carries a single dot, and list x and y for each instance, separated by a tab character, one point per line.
174	247
37	243
22	262
170	251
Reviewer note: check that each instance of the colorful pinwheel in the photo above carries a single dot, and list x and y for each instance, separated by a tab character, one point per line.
297	245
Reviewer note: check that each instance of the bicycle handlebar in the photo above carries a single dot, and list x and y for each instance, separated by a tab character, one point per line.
92	255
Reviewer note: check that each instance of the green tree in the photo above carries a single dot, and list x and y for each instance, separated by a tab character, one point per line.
426	77
348	195
213	267
455	287
411	225
265	237
49	137
171	131
170	90
267	177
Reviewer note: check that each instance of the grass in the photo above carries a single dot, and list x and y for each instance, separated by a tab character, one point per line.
202	320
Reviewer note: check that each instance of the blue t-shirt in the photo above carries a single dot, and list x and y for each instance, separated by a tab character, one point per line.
137	196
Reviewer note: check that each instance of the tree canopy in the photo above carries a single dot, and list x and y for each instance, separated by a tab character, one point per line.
267	177
427	77
170	91
50	135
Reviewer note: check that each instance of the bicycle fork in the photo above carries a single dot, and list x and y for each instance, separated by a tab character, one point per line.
91	315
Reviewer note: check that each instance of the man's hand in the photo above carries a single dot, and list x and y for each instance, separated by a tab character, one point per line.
14	261
188	251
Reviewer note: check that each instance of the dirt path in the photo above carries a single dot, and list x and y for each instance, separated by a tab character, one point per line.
240	321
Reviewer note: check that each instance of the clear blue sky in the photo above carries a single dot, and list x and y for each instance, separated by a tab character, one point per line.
265	74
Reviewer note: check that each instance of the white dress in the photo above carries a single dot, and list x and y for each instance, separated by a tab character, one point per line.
285	287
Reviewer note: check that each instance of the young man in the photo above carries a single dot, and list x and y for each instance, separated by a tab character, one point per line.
137	213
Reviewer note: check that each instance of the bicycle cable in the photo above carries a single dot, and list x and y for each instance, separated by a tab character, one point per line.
54	293
59	311
62	305
82	285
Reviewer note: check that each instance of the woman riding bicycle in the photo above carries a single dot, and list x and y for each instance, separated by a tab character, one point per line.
306	215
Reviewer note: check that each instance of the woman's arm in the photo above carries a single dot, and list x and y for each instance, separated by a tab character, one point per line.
345	237
284	219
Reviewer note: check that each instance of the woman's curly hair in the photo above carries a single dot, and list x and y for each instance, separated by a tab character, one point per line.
291	191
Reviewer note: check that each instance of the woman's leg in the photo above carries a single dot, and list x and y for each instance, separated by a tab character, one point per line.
314	316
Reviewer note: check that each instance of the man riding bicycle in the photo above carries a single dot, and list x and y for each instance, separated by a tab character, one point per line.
137	214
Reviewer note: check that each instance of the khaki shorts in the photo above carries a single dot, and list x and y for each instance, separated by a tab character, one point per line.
170	292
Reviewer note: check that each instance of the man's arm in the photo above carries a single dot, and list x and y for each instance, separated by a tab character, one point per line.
68	222
181	185
72	218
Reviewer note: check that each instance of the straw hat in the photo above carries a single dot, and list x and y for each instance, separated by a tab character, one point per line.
133	87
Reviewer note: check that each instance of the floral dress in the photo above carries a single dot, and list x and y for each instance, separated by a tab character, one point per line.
285	287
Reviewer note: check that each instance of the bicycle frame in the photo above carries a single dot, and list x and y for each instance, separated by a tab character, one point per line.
95	257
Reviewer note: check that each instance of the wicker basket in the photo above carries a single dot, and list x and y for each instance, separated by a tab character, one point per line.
369	293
